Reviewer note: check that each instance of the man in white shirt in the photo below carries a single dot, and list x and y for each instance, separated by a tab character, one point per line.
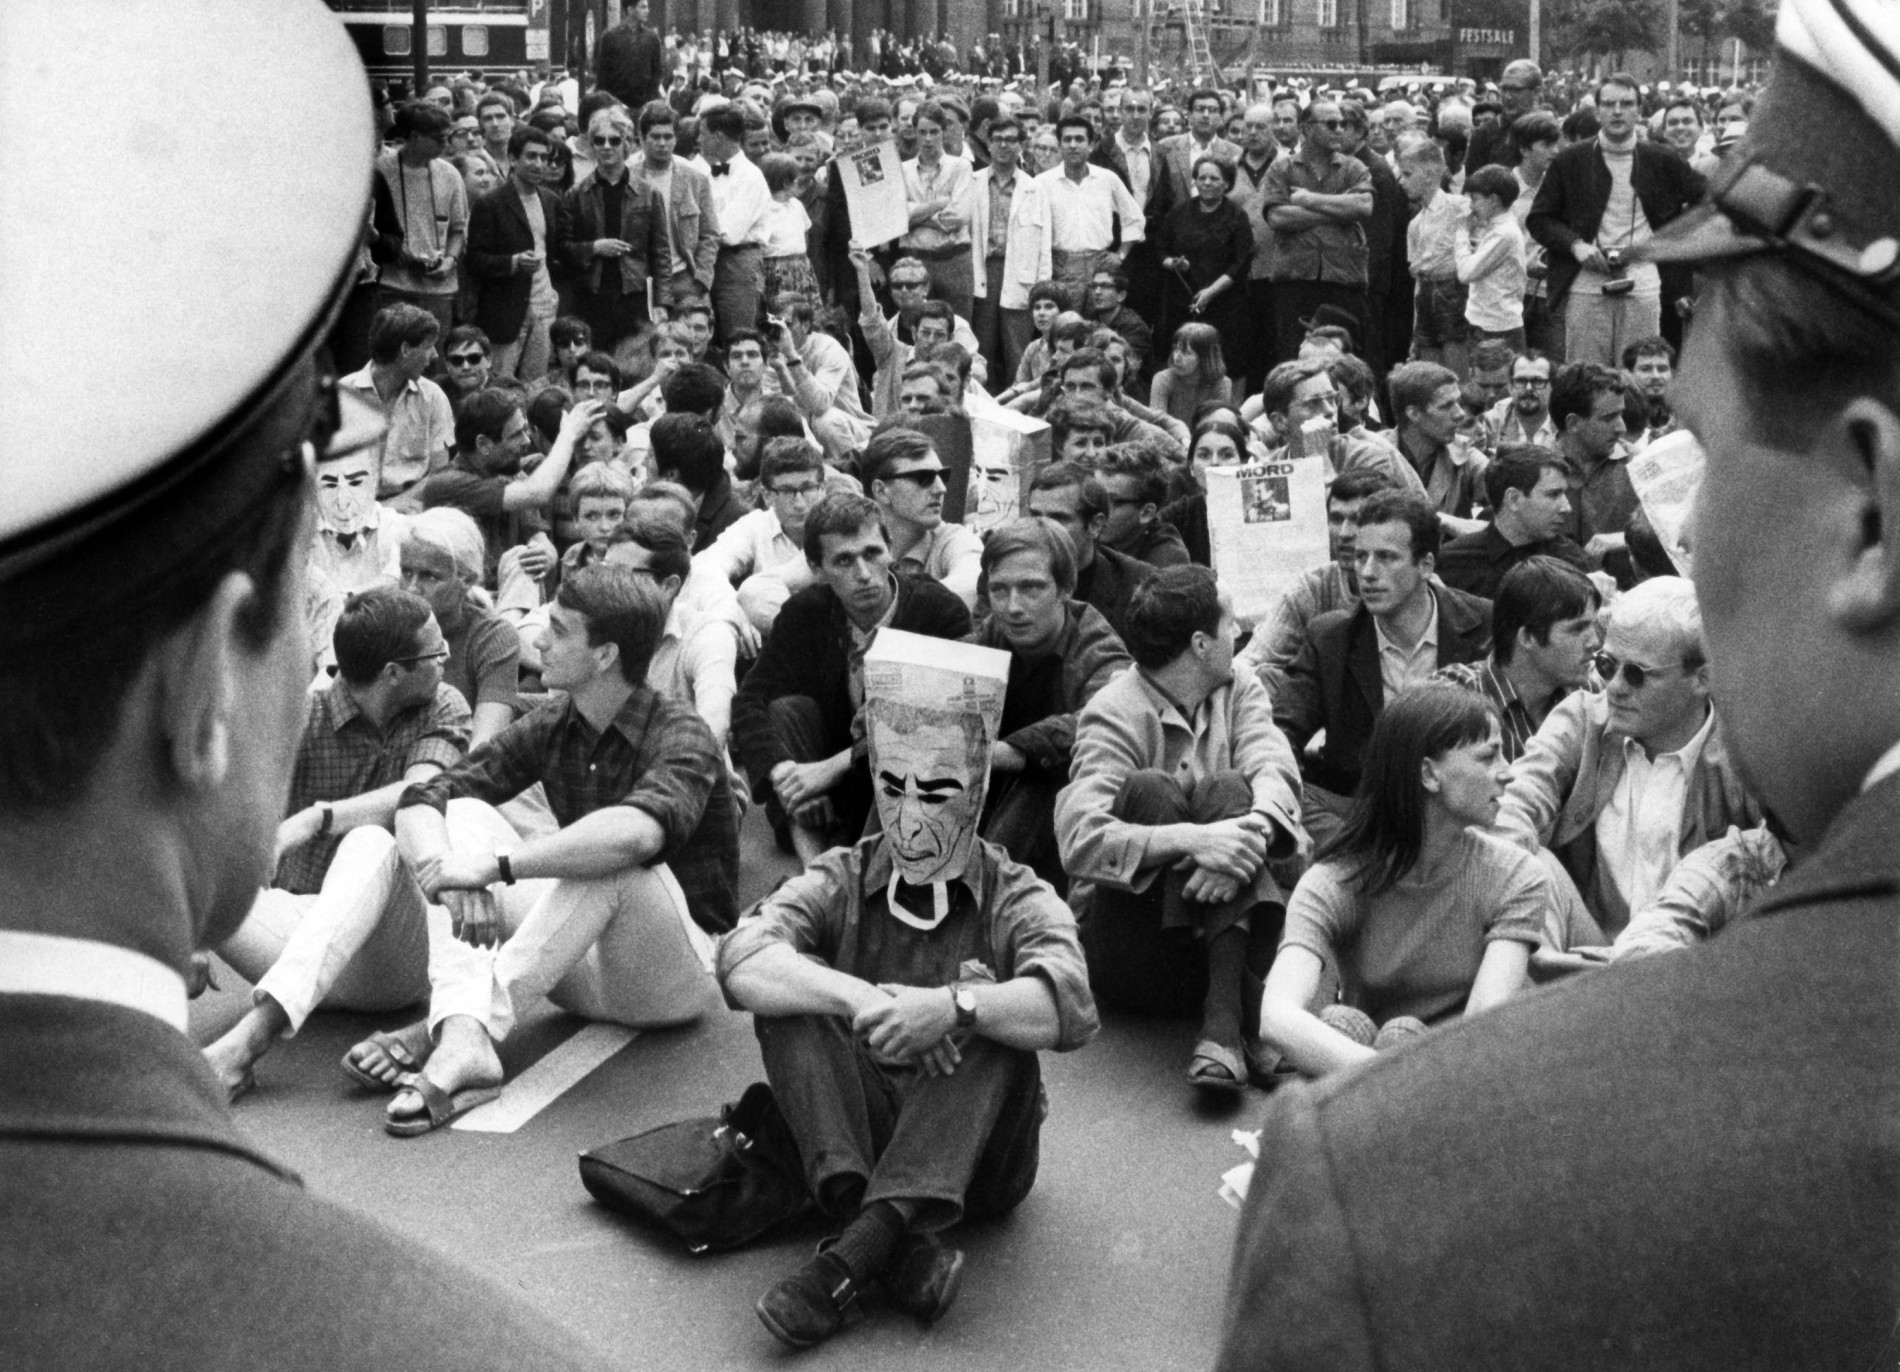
419	425
740	198
1083	203
937	189
763	554
697	657
1014	250
816	370
1620	784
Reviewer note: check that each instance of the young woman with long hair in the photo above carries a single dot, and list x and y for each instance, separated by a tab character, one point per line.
1413	913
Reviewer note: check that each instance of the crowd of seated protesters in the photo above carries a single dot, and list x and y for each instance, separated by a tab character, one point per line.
571	627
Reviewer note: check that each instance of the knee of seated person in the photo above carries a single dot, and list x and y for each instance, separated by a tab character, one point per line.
1220	795
1354	1023
759	600
1399	1030
1150	796
368	843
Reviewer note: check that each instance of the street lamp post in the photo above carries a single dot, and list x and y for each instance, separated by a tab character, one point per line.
419	44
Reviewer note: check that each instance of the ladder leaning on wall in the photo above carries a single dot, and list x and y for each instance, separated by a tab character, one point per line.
1200	56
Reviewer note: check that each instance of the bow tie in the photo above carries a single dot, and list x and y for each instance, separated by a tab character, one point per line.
722	168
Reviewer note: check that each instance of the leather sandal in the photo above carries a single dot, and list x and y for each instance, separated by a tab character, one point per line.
438	1106
1216	1068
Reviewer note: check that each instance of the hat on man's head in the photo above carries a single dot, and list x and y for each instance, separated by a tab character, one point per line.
211	262
1816	179
1332	317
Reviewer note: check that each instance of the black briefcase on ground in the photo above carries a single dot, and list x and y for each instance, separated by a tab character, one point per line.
714	1182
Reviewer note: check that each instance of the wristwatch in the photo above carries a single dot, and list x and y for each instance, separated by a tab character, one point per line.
965	1000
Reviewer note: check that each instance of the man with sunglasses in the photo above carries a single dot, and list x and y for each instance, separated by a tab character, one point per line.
342	924
1317	202
1620	784
906	478
465	365
614	232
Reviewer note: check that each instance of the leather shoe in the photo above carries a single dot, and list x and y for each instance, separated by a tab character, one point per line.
923	1276
812	1304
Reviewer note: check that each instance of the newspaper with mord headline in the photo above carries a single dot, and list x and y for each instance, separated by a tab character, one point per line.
1266	525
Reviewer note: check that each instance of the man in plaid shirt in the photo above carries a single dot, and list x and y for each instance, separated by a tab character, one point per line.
343	924
609	916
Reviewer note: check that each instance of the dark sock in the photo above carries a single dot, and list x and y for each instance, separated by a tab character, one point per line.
866	1244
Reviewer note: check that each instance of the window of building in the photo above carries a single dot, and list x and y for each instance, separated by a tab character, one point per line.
1401	16
1075	11
1273	13
1329	14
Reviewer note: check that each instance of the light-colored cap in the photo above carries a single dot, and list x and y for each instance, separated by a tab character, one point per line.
185	203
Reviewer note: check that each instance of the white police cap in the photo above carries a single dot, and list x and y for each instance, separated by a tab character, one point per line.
187	190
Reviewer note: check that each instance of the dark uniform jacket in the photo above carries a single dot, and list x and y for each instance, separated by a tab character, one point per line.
140	1230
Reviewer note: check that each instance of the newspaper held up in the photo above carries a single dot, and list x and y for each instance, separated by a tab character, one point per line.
874	193
1266	525
1665	476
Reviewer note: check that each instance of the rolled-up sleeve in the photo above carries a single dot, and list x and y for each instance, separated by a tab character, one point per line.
1039	931
498	771
446	738
807	913
678	766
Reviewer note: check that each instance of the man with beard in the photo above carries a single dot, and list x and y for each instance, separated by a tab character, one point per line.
1523	417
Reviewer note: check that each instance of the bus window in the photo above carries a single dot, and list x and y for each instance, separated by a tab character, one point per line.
475	40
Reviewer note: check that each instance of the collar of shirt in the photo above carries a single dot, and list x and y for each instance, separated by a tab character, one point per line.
630	723
84	969
1429	639
1168	708
341	704
675	623
923	549
364	381
1684	757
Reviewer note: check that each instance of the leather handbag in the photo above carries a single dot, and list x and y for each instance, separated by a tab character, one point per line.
714	1182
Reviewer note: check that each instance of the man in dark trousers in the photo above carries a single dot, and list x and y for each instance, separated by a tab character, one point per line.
629	61
792	719
1688	1162
511	235
153	659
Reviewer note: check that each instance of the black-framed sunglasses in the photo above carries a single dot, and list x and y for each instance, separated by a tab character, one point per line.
1637	675
467	359
922	477
612	140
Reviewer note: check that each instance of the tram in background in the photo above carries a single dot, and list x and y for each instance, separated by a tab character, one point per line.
488	38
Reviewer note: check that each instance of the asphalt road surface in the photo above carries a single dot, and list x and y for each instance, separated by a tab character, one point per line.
1117	1259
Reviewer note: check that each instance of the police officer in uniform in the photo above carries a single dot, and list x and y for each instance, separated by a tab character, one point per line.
1692	1161
153	656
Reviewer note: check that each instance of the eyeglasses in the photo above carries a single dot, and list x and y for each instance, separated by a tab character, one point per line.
923	477
467	359
923	285
1634	673
1329	123
1535	383
612	140
796	492
439	655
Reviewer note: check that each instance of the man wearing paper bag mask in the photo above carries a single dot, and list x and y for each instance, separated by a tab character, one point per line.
902	988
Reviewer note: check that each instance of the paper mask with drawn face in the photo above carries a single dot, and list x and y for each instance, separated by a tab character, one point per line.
931	769
346	491
931	713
